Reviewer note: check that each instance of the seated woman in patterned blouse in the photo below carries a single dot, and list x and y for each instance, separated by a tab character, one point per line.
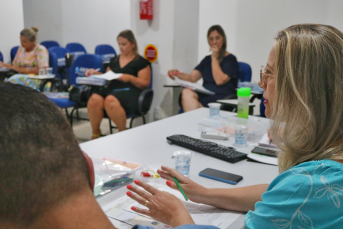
302	84
29	58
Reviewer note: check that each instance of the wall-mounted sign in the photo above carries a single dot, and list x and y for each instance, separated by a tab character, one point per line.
146	9
151	53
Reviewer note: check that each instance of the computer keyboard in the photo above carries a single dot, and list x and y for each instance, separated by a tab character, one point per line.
209	148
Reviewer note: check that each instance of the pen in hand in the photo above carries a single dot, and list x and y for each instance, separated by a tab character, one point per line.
181	190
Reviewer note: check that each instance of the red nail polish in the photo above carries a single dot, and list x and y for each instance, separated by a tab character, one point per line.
133	208
129	186
168	182
136	181
128	193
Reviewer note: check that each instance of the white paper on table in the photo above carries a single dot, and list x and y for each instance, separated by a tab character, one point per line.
265	142
110	75
193	86
263	159
201	214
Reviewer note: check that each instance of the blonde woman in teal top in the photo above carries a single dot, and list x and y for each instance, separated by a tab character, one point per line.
303	91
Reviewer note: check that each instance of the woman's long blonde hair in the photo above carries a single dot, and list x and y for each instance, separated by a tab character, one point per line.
308	107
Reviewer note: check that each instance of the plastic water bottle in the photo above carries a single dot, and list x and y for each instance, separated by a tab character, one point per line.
243	102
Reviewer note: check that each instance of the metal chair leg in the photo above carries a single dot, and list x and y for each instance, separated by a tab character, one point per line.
110	125
131	122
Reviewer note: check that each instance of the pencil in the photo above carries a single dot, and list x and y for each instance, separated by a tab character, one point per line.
181	190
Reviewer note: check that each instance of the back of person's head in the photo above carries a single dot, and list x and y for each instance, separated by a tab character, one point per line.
128	35
220	30
30	33
41	163
308	105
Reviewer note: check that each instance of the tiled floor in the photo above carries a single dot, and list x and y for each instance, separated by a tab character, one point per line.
82	129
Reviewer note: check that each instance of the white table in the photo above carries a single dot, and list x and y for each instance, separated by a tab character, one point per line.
147	144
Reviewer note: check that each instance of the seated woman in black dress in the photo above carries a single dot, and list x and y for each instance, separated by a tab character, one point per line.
218	70
121	96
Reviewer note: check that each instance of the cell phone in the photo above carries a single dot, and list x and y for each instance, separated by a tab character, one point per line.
264	151
221	176
214	135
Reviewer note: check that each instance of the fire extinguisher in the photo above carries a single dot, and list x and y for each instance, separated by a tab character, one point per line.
146	9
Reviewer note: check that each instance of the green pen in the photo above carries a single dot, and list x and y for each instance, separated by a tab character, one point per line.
181	190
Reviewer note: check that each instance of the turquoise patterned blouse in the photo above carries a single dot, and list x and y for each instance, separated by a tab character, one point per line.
308	195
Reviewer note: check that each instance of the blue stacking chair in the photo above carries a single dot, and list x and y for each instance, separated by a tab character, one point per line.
58	63
78	69
57	60
144	104
244	72
14	51
50	44
1	57
106	52
76	49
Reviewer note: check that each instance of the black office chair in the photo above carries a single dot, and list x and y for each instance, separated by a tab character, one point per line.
144	104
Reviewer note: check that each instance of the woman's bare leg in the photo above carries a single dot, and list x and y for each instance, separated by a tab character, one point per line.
115	112
190	100
95	107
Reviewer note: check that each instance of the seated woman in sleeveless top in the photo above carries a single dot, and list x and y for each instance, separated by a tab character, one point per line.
302	84
121	96
219	72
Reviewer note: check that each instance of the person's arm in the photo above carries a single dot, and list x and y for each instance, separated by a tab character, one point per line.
218	75
141	81
24	70
236	199
92	71
193	77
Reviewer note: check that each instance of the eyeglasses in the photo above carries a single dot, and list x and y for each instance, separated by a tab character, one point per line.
264	76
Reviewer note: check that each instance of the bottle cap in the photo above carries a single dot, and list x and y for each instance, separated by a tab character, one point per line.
244	92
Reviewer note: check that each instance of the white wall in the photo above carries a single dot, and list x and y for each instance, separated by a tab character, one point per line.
174	32
250	26
92	22
12	22
46	16
87	22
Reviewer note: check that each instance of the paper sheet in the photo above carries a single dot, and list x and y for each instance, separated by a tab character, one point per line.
263	159
201	214
108	75
193	86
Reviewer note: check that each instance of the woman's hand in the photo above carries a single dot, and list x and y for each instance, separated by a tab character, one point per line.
172	73
215	52
126	78
162	206
3	65
193	191
91	71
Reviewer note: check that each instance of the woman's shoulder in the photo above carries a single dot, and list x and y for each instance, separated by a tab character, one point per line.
318	171
141	59
40	48
230	56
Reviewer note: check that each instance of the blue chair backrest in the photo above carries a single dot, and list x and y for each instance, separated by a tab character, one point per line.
77	49
106	52
50	44
14	52
244	72
57	58
81	65
1	57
